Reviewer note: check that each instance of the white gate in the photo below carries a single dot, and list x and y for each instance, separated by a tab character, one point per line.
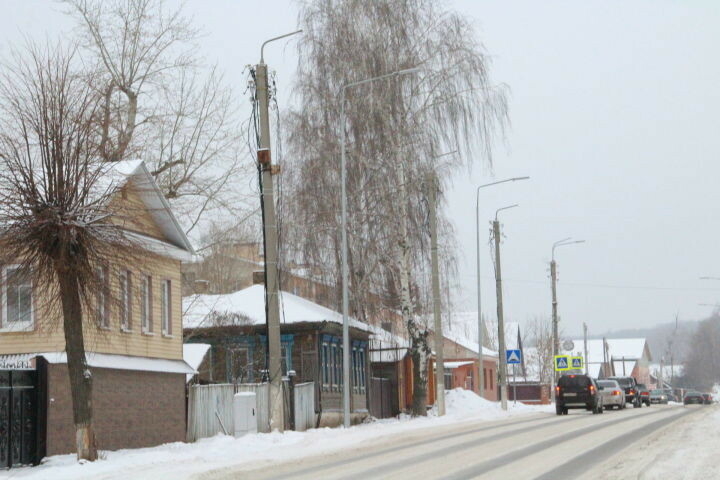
304	406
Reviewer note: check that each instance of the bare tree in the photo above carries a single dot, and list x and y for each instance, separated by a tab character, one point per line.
162	105
54	202
539	332
395	131
702	365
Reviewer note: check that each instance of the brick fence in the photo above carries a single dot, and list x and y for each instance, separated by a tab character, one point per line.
132	409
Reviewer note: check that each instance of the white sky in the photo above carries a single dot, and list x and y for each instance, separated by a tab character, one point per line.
613	111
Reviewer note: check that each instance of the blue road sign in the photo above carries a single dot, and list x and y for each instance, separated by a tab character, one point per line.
577	362
562	362
513	356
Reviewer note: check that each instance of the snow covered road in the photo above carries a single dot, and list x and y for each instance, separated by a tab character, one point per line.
538	446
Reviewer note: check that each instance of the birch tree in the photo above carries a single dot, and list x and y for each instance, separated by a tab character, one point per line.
395	131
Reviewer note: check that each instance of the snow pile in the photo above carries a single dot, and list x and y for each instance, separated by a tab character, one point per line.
715	392
465	404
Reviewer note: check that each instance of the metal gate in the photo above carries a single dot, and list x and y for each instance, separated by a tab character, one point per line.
18	417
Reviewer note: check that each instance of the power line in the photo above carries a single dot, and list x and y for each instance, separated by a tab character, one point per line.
605	285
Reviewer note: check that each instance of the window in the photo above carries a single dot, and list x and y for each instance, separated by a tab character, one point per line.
146	304
358	367
325	365
166	308
125	286
101	304
448	379
17	299
333	367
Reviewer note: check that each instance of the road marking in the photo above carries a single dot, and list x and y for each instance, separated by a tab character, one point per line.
581	463
497	462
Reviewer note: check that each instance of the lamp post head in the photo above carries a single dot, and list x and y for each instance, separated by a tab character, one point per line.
504	208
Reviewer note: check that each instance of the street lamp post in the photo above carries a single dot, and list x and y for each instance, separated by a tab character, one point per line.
481	372
343	234
501	324
553	276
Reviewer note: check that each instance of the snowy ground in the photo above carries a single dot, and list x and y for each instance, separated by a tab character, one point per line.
181	460
687	449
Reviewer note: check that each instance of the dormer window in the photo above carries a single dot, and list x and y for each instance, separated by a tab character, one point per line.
17	299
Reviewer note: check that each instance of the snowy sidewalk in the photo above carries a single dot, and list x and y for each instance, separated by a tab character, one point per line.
182	460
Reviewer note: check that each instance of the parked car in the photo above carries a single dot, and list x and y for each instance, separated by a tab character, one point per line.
693	398
631	393
659	396
578	391
670	395
644	393
613	394
708	398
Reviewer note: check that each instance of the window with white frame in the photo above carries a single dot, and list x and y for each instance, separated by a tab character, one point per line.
17	299
101	304
326	365
166	307
125	287
146	304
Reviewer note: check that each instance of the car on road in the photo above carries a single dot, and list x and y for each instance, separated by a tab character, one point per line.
578	391
670	394
644	393
693	398
613	394
659	396
708	398
632	395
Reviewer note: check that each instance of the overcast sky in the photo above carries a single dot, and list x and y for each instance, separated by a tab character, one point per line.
614	109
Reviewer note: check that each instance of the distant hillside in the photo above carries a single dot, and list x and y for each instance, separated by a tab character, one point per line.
659	338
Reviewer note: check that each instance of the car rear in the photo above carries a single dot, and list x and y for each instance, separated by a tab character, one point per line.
613	394
577	391
630	387
693	398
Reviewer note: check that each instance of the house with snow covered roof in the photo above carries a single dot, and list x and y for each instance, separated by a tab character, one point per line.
619	357
133	343
311	338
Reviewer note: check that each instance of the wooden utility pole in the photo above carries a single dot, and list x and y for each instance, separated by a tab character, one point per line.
439	338
585	360
272	287
501	324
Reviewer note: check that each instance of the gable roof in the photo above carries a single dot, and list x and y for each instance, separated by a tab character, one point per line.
136	172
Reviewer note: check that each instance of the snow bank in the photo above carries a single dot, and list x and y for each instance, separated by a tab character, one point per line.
183	460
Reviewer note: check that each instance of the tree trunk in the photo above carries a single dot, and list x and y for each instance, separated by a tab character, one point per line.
419	349
78	371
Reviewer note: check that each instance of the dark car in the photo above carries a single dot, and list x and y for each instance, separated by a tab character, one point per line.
644	394
693	398
659	396
632	395
708	399
670	395
577	391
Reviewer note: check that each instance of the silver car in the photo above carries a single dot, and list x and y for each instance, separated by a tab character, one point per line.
613	394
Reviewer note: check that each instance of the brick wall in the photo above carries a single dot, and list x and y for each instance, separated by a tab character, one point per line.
132	409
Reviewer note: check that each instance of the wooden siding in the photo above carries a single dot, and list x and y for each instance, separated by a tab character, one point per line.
47	335
132	214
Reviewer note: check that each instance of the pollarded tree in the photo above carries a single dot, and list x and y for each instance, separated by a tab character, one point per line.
54	202
395	130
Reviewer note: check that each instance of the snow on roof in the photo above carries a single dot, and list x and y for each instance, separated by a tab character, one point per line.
454	365
117	362
118	174
193	354
248	305
462	328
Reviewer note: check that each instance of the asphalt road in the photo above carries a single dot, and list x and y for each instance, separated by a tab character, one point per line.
543	446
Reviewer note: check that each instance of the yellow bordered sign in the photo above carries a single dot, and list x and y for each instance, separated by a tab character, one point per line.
576	363
562	363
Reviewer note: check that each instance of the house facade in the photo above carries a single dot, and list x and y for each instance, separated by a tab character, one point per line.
311	346
133	334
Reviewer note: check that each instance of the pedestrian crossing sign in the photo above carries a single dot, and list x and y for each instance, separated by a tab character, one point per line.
577	363
513	357
562	363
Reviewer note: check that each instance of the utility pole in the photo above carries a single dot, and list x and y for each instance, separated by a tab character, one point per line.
501	323
270	237
553	276
481	330
439	338
585	359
